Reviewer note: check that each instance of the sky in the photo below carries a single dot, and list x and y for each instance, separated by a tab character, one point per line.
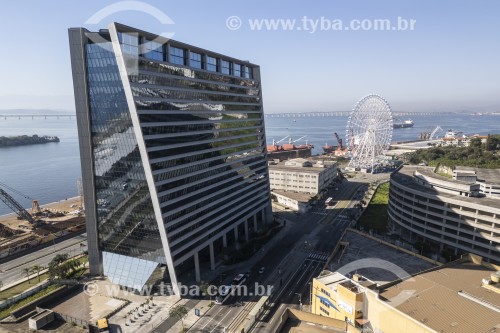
448	62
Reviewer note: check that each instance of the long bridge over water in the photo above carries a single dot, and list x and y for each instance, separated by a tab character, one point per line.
33	116
396	114
346	113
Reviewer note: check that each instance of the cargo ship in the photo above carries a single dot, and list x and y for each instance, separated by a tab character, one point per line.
327	149
398	123
288	150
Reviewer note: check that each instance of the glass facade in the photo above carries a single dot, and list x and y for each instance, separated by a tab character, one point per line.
237	70
125	217
205	142
211	64
177	56
201	132
129	42
225	67
195	60
152	50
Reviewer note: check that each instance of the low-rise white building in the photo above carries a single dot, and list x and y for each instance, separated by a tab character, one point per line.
301	175
487	179
298	202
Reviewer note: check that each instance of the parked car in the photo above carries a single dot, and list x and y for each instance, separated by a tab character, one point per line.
262	270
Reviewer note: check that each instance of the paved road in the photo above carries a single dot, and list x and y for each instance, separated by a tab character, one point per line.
297	285
323	239
290	264
302	251
13	270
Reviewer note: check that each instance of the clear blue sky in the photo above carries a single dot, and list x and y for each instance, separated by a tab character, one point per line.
449	62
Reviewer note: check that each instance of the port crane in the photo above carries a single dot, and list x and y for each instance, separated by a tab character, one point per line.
276	142
16	206
339	140
290	141
438	128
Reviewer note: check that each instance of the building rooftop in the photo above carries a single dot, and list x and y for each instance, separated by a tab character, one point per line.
451	299
165	40
405	177
490	176
375	261
302	197
429	172
316	168
306	322
331	278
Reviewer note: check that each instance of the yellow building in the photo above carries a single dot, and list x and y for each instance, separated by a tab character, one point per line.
338	297
459	297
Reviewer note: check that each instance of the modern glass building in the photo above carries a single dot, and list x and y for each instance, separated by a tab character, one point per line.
172	147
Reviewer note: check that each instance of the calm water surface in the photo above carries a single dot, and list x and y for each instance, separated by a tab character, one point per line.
49	172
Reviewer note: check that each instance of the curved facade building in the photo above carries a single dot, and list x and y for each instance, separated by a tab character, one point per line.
447	213
173	153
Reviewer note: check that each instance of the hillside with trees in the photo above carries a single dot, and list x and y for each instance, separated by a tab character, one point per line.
479	155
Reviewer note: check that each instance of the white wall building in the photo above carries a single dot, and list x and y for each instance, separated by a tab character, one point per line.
424	206
487	179
301	175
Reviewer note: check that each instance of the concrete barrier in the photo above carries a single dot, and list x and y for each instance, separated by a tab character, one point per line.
26	294
41	319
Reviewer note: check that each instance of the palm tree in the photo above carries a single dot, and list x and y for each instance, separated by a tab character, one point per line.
27	271
36	269
179	312
204	290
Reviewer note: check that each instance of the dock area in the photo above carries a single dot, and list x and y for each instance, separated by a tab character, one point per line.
399	148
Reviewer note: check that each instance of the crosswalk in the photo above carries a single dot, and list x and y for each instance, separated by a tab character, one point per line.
318	256
320	213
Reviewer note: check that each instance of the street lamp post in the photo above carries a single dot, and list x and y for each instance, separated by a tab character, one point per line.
300	300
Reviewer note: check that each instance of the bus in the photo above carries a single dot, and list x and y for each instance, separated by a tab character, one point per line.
239	279
226	291
223	294
328	201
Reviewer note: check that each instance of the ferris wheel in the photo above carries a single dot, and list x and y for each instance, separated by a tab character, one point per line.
369	131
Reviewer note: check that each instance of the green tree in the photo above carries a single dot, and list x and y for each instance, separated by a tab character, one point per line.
56	267
475	143
179	312
36	269
27	272
204	288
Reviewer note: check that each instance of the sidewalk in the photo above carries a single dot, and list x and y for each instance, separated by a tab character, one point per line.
173	325
209	276
245	265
